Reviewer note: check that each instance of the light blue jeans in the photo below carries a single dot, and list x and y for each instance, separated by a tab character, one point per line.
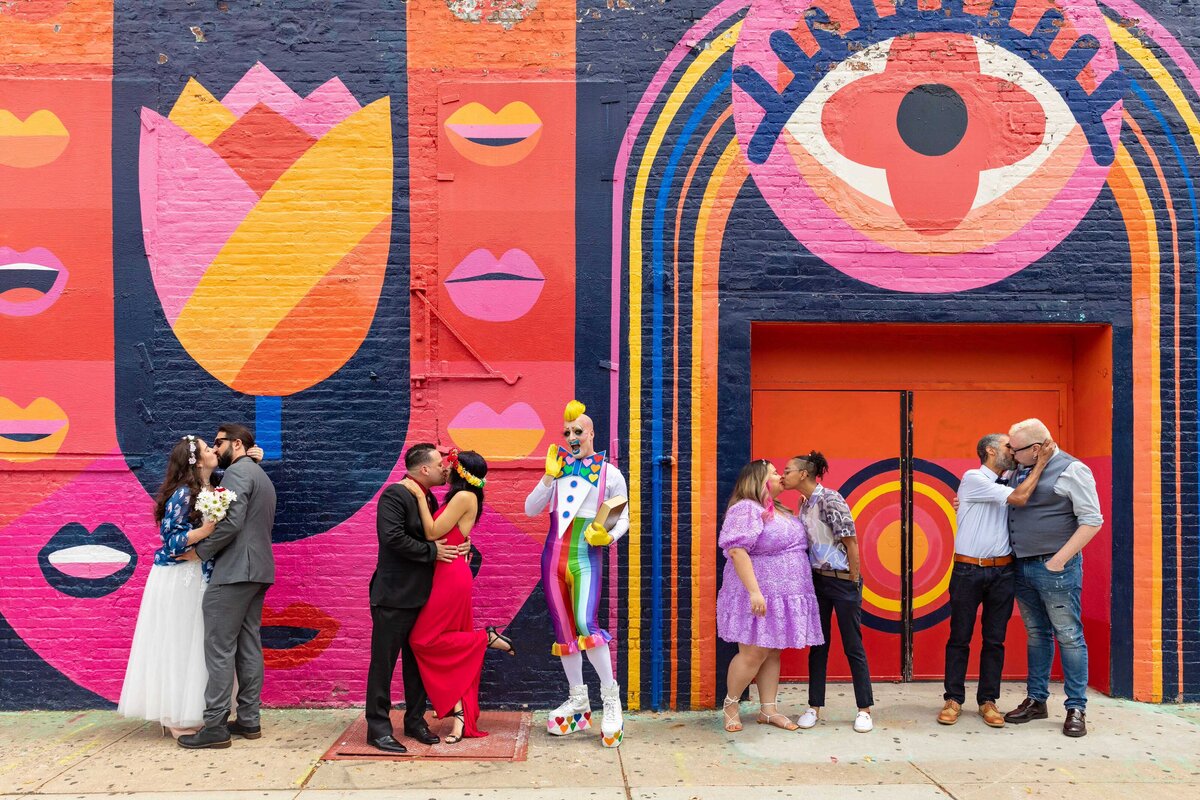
1050	607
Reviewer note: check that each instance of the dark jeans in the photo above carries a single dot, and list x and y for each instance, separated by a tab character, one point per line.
973	586
390	629
844	598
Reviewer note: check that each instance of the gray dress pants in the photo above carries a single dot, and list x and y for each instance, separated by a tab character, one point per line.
232	645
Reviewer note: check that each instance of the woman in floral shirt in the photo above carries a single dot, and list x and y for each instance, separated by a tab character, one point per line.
166	676
837	579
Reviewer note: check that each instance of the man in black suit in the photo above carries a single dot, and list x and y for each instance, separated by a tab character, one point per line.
399	588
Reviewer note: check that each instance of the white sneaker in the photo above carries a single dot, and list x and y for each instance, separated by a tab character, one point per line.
808	719
862	723
612	729
573	715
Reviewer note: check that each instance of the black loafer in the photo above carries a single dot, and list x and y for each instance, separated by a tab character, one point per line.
1075	725
422	735
1029	709
388	744
245	731
216	737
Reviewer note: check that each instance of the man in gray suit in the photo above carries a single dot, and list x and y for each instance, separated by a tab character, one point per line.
243	570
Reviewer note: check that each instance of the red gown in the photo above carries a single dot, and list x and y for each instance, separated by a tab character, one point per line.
448	648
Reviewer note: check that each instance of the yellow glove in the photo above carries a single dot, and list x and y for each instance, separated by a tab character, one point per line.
554	464
596	535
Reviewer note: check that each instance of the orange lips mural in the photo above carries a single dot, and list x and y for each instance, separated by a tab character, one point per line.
494	139
31	433
35	141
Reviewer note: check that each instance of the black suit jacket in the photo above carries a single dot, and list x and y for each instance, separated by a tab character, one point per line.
404	571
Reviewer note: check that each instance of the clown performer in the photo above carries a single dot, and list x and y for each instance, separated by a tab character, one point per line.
577	481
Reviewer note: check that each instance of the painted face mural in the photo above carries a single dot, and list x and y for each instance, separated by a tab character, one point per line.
934	149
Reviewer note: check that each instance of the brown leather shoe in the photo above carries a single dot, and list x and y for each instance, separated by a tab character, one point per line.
1075	725
949	713
991	715
1029	709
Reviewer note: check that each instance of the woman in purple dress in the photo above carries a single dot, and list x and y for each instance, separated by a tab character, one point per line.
766	601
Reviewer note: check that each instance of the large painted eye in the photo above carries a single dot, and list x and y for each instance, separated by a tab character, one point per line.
915	150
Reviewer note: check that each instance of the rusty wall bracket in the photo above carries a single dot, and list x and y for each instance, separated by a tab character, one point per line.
420	378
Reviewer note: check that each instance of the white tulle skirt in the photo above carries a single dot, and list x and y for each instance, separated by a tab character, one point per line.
166	676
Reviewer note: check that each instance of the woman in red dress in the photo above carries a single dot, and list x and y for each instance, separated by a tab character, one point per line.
448	648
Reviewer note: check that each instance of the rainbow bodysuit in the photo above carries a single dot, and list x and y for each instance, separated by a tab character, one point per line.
571	568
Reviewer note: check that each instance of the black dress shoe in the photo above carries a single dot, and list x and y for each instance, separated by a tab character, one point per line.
245	731
1075	725
388	744
1029	709
422	734
215	737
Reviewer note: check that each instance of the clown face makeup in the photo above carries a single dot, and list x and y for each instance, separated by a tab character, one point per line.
580	438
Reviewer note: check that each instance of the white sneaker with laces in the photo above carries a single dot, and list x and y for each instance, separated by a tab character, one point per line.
808	719
862	723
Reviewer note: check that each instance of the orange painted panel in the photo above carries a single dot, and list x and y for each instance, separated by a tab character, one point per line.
859	433
947	424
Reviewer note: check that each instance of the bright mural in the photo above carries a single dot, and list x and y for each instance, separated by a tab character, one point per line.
437	220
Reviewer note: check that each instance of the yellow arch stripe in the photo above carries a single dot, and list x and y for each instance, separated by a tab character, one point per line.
721	45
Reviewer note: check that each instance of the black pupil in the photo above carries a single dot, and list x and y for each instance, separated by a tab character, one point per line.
932	119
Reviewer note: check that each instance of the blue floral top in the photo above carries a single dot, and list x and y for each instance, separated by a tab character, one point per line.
175	528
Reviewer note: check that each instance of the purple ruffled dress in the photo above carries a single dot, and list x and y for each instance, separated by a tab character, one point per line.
778	550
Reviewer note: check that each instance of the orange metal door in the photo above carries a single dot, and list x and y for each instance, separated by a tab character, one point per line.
860	433
947	424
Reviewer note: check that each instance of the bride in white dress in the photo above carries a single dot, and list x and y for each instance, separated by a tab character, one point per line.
166	676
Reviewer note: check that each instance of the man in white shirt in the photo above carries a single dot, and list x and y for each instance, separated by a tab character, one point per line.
984	575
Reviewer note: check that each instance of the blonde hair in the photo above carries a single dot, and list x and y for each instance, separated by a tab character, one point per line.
751	484
1033	426
573	411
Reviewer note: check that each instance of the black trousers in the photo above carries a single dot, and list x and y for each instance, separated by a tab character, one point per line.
837	596
390	628
973	586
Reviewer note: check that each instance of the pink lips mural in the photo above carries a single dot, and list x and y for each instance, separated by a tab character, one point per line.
495	289
30	282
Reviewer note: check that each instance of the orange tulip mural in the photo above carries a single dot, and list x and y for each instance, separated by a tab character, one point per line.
267	222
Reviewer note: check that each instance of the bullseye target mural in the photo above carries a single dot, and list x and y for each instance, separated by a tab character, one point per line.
874	496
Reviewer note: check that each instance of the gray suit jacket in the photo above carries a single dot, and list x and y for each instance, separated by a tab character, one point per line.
241	542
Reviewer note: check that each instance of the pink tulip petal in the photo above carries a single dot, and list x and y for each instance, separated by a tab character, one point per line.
192	202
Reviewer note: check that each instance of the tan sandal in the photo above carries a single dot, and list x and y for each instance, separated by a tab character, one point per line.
769	719
732	724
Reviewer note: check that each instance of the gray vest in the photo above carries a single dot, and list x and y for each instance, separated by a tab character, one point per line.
1044	524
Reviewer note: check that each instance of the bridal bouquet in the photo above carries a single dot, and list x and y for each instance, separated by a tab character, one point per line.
214	503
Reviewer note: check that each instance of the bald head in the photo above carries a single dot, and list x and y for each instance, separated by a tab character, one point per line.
580	436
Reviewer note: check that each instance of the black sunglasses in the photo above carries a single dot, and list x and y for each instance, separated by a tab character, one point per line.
219	442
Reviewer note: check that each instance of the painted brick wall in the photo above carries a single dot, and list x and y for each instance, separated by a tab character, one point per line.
365	226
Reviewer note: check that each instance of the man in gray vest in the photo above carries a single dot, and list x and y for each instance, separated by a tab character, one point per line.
1048	534
243	570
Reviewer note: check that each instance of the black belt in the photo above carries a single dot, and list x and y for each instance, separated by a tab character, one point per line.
841	575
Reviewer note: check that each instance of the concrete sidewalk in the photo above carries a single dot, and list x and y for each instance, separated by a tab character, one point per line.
1132	750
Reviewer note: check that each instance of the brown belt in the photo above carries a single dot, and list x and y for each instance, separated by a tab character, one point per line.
833	573
984	562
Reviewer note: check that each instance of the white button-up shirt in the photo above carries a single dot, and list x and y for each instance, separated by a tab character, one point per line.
982	515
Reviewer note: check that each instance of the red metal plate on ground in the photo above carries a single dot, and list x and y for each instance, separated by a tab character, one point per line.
507	740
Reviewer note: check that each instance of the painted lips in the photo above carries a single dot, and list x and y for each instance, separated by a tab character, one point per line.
296	635
495	289
30	282
83	563
33	142
494	139
31	433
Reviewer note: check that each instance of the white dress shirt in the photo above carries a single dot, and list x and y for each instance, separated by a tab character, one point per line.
587	503
982	515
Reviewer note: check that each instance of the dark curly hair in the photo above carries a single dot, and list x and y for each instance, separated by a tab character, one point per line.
180	473
817	465
475	464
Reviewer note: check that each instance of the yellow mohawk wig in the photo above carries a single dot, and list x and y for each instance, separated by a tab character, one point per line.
573	411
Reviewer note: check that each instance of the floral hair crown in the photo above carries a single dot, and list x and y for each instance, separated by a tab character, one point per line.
478	483
191	440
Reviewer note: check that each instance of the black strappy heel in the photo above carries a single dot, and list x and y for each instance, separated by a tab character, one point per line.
452	739
495	636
